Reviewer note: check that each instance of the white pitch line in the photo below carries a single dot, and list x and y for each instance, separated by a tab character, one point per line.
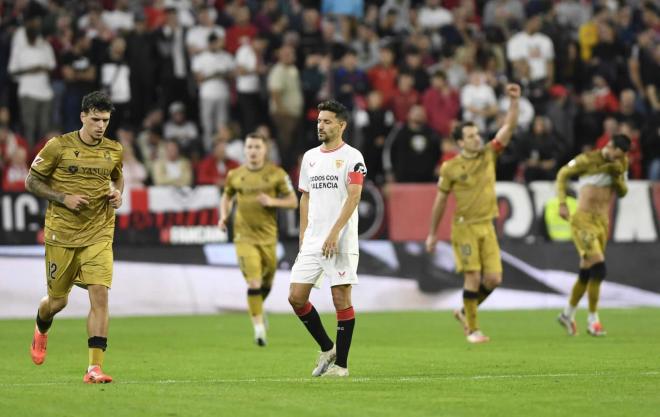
349	380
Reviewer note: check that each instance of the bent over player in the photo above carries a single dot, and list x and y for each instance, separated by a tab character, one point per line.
471	176
331	178
259	188
80	173
601	173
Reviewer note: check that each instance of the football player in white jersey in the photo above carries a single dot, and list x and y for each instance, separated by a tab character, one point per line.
331	178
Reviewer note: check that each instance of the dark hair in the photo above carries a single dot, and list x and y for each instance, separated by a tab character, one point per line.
458	130
97	100
257	135
336	107
622	142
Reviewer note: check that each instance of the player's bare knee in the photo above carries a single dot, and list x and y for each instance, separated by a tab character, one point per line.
492	281
254	284
55	305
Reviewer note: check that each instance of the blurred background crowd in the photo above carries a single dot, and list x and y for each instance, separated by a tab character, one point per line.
189	78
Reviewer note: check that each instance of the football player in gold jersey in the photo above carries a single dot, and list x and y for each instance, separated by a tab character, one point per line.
259	188
601	174
471	177
80	173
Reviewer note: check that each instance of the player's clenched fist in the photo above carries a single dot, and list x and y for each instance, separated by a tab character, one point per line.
513	90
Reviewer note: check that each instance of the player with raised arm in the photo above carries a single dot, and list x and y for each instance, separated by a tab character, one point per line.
258	187
601	173
80	174
471	177
331	178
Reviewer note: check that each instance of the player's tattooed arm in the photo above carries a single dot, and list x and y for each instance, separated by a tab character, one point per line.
39	188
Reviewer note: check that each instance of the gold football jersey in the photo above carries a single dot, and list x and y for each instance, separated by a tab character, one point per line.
255	223
592	168
70	166
473	182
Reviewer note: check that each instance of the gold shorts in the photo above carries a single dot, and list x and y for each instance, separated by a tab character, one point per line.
88	265
475	247
257	261
589	232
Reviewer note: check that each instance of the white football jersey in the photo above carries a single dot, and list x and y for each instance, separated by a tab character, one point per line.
325	175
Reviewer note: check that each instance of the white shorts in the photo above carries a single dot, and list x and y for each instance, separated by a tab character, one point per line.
312	268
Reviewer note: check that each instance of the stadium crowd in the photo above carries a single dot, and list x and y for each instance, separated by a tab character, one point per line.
190	78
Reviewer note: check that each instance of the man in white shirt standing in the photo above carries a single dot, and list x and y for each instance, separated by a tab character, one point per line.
331	177
249	68
212	70
531	52
31	64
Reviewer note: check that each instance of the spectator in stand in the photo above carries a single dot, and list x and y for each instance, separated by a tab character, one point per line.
533	48
412	151
375	123
413	64
213	70
432	16
478	101
572	14
151	148
31	64
121	19
15	172
9	143
650	136
79	73
242	27
250	67
605	99
367	46
197	38
540	151
610	128
173	169
627	109
588	124
286	101
644	62
607	56
214	168
442	104
349	81
382	76
588	33
406	97
503	14
561	111
134	172
142	59
311	39
182	131
115	78
172	60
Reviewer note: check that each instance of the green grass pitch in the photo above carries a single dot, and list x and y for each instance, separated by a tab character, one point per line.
401	364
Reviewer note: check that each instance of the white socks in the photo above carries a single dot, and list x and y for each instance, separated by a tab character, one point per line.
569	311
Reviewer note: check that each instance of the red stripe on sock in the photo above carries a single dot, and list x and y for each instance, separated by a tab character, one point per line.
347	314
304	310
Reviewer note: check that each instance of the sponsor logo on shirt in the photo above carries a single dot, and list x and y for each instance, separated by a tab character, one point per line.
318	182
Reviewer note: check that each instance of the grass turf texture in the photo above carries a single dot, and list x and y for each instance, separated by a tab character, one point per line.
401	364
